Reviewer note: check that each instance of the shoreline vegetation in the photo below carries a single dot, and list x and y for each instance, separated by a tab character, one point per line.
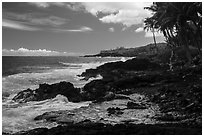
159	91
138	96
131	52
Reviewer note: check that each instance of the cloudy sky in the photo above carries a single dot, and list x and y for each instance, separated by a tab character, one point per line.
72	28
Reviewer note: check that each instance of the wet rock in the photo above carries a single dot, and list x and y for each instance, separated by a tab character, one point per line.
24	94
88	74
36	131
46	91
133	105
114	111
109	96
94	90
49	116
61	117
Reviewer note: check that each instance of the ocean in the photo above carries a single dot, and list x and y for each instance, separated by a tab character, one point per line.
22	72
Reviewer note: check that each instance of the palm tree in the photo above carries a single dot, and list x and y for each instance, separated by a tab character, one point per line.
172	18
149	25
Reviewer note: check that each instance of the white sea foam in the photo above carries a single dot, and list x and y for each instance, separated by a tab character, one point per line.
14	83
20	116
17	117
83	66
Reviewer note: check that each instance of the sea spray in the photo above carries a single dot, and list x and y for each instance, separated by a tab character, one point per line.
19	116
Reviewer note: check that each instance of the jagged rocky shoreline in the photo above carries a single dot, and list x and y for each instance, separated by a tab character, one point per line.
138	96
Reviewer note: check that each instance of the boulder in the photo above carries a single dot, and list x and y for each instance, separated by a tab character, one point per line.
88	74
25	95
46	91
109	96
134	105
94	90
114	111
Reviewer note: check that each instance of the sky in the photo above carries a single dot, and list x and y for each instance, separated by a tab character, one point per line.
74	28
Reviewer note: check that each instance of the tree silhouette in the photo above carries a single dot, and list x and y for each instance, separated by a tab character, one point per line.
180	23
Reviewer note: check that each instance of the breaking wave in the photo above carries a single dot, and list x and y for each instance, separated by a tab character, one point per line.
19	116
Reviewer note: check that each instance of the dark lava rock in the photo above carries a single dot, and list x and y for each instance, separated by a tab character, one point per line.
55	116
106	88
47	115
88	74
36	131
135	64
94	90
114	111
133	105
46	91
109	96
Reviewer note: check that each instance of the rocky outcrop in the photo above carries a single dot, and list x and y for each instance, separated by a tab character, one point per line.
106	89
46	91
118	76
118	69
134	105
54	116
114	111
94	90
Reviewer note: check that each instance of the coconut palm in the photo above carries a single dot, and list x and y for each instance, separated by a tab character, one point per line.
149	25
178	21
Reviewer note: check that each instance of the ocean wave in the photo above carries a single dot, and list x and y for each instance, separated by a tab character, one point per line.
21	81
80	65
94	64
19	116
74	65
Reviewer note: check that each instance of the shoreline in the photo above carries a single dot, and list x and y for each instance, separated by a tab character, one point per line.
150	82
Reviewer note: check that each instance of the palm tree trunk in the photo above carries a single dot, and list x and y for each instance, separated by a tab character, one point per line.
155	43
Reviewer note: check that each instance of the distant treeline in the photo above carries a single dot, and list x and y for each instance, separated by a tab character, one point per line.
149	49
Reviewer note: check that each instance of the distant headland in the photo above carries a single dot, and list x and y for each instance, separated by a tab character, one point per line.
132	52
